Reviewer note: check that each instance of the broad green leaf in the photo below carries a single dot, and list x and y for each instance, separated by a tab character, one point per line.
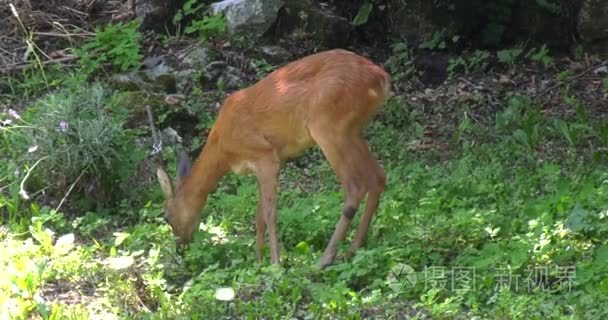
121	262
601	254
363	14
303	247
120	237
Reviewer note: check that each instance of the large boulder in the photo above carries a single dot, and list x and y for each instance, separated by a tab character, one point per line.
305	20
252	17
531	21
411	20
593	26
593	21
488	23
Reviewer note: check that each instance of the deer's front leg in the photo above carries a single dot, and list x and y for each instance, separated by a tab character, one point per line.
260	231
267	172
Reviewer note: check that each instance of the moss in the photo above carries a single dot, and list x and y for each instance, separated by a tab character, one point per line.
135	103
159	79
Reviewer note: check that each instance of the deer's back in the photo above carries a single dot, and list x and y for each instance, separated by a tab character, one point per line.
337	87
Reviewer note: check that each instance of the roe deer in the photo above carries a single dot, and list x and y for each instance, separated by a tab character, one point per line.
325	99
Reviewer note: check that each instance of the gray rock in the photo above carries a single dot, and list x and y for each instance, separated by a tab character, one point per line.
170	137
305	20
155	14
195	57
160	75
186	80
191	62
156	67
248	16
601	70
155	75
220	72
274	54
126	81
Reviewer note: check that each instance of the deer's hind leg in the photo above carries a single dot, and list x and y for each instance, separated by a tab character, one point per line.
339	150
376	183
260	230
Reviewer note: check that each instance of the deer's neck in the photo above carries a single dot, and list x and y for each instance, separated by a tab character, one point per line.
204	176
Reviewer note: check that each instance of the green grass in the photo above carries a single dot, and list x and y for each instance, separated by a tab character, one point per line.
505	218
487	207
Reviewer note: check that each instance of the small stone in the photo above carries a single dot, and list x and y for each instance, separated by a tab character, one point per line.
219	73
601	70
274	54
173	99
195	57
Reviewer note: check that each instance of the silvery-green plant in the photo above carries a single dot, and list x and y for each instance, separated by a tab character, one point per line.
74	137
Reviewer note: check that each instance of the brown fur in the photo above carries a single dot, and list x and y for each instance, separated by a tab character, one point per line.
326	99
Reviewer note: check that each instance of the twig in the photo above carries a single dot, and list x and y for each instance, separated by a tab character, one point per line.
70	190
39	191
157	145
64	35
22	191
20	66
75	11
576	77
7	186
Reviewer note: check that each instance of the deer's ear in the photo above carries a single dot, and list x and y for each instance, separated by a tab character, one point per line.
165	182
183	165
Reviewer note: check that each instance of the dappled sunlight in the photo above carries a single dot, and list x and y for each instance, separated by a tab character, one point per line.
494	142
217	232
282	86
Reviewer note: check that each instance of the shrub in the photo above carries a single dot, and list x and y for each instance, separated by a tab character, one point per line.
117	44
76	137
199	20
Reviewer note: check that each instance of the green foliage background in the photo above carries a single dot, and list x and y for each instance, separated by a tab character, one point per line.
515	189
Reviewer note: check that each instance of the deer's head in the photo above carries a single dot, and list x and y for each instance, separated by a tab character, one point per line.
180	213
